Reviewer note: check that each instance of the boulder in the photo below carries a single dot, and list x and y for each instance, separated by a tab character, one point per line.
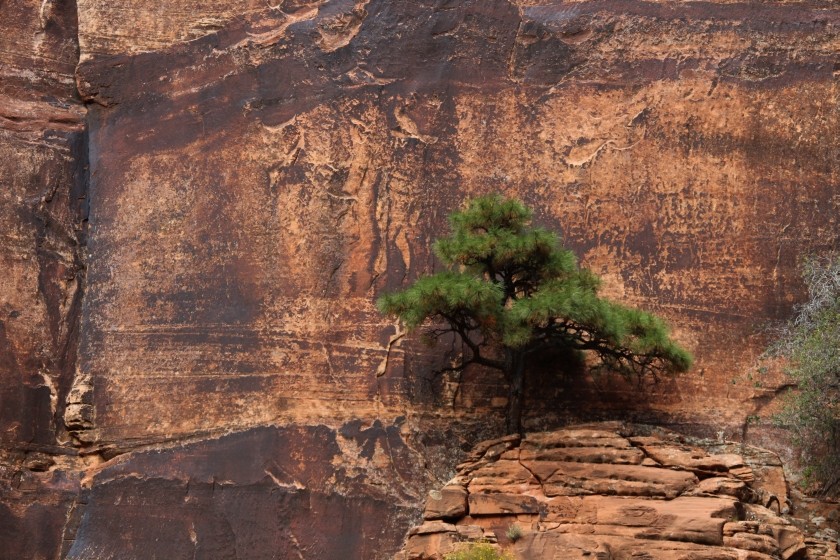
431	527
501	476
569	479
626	456
721	486
686	519
449	502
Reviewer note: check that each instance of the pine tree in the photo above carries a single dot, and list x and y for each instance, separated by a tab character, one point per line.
511	290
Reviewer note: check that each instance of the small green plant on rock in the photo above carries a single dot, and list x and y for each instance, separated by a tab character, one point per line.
478	551
514	533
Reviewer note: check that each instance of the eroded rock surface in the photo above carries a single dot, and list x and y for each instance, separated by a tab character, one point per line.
675	501
258	172
272	492
263	171
43	208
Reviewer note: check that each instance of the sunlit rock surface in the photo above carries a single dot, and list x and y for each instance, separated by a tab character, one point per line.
255	187
693	505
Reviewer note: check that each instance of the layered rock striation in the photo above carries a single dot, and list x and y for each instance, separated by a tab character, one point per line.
599	491
205	199
263	172
43	213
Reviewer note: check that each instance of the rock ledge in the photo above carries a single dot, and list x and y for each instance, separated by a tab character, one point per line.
608	491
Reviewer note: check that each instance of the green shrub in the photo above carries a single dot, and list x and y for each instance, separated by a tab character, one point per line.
812	343
514	533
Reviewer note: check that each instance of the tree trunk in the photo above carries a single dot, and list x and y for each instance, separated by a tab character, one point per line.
514	362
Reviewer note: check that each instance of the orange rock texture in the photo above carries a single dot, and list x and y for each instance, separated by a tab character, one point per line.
261	173
693	505
203	201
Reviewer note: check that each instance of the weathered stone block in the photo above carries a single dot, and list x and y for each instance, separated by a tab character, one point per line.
450	502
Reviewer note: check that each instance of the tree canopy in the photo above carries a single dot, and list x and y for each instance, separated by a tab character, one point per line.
511	290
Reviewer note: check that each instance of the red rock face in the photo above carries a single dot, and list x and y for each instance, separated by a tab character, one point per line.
267	492
258	174
257	187
42	212
42	159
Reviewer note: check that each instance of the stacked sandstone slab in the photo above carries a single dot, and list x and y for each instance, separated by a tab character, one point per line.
607	492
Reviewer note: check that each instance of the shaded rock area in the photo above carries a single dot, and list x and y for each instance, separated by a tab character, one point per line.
613	492
43	213
271	492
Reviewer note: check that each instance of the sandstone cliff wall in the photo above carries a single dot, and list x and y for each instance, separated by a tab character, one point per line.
256	174
257	180
43	154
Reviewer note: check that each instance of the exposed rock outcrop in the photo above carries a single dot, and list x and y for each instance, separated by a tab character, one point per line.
600	491
259	171
263	170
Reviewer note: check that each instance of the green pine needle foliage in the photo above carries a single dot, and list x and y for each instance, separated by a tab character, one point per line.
512	285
